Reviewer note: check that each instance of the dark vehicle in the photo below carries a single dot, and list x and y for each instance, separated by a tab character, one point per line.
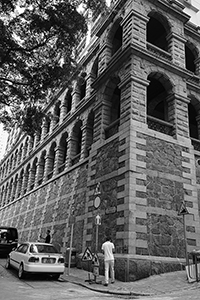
8	240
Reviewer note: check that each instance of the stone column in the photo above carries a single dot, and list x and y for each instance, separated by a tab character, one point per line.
177	48
178	114
104	56
25	149
197	64
30	144
198	125
71	150
134	98
48	166
68	157
75	96
85	132
36	139
59	158
19	187
20	155
13	192
63	112
5	195
31	179
25	183
44	128
134	29
39	172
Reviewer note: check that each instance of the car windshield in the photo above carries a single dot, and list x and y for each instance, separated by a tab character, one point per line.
39	248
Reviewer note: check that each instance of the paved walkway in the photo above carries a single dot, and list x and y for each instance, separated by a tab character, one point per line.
153	285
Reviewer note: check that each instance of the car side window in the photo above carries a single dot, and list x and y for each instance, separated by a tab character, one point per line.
33	249
22	248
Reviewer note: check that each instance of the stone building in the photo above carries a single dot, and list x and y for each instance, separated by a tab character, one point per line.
122	142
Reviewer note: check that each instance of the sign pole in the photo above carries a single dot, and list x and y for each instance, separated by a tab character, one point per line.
97	233
185	239
70	247
184	211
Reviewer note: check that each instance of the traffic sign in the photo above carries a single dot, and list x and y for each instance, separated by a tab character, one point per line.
183	210
95	259
87	255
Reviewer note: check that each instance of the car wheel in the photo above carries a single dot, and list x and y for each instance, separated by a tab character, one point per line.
7	265
21	273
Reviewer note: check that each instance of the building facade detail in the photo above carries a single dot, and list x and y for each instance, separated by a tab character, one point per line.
130	122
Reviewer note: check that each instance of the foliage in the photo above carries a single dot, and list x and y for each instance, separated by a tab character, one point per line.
37	52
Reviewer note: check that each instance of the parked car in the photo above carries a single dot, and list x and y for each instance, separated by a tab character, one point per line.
35	257
8	239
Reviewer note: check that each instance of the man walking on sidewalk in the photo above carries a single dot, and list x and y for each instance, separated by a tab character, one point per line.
108	249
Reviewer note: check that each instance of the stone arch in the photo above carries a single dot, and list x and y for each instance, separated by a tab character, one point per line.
10	187
56	112
41	167
115	36
76	141
158	27
95	68
2	196
14	187
159	88
33	173
20	181
63	151
6	194
51	160
194	117
112	96
68	100
89	132
26	178
191	54
80	87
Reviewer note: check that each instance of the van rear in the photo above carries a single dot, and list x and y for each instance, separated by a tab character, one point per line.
8	239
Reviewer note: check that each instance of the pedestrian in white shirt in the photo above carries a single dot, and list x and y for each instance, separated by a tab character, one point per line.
108	249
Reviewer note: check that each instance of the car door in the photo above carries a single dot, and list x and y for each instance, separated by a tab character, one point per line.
19	255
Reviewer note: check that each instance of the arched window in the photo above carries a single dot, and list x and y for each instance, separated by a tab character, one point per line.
26	179
157	106
51	160
190	56
192	115
33	174
41	166
157	31
68	100
117	40
13	195
19	187
89	133
57	113
112	108
62	152
76	141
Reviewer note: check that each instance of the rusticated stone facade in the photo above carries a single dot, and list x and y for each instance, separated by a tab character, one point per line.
126	131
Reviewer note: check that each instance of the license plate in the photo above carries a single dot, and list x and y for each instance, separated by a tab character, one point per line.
48	260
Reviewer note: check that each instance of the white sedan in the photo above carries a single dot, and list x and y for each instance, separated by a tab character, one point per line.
35	258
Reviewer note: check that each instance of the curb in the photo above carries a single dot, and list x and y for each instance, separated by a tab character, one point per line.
106	291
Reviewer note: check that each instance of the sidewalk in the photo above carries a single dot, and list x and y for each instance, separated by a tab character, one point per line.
153	285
